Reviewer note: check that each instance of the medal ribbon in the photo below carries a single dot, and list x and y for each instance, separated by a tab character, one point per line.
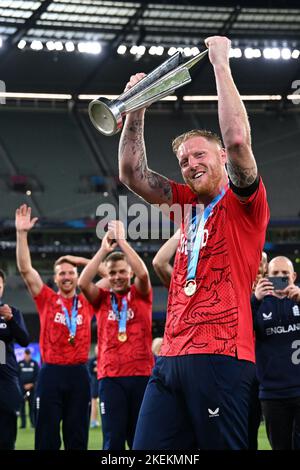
197	231
122	314
71	322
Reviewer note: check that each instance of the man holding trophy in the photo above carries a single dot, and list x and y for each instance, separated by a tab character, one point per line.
198	395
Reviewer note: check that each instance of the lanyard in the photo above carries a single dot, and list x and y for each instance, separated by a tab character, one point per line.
196	232
71	322
120	314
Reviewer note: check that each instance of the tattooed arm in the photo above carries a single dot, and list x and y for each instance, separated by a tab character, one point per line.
233	118
133	167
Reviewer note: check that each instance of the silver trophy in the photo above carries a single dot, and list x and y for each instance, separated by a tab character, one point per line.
107	115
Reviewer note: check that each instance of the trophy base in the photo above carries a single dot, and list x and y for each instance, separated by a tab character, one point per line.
107	120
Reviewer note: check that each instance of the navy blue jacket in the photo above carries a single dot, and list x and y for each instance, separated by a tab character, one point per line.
11	331
277	328
28	372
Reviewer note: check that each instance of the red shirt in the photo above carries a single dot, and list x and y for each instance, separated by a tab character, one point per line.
54	334
134	356
217	319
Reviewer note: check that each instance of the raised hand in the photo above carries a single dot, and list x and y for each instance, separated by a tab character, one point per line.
264	287
24	223
218	49
116	227
108	243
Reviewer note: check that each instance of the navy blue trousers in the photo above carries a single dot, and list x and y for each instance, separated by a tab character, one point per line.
197	401
120	401
62	395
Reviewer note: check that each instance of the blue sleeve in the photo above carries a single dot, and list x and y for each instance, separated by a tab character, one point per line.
255	304
18	328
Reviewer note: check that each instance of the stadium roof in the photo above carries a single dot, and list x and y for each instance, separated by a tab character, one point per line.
87	46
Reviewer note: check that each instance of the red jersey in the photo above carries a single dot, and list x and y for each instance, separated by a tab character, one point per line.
133	356
54	334
217	319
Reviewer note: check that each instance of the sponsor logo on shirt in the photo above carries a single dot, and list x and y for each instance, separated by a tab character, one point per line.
267	316
60	318
278	330
213	414
112	316
183	242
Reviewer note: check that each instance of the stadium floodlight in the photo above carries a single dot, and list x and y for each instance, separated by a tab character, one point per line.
122	49
267	53
89	47
152	50
159	50
235	52
21	44
195	51
295	54
1	42
70	47
50	45
134	49
256	53
141	50
36	96
36	45
58	45
172	50
286	53
187	51
271	53
243	97
248	53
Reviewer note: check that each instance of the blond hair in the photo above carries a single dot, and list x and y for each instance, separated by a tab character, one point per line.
211	136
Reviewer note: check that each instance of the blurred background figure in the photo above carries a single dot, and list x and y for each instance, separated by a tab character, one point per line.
28	375
276	312
12	329
92	368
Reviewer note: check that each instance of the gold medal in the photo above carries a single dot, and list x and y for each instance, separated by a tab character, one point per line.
190	287
122	337
72	340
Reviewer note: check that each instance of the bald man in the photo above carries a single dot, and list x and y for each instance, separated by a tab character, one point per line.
276	314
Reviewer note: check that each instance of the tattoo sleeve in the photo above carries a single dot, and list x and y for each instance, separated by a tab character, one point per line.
241	177
133	156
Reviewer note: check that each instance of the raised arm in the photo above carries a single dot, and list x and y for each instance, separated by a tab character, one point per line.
234	124
31	277
142	279
133	167
85	282
161	261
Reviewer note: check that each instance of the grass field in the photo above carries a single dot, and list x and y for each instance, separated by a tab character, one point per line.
25	439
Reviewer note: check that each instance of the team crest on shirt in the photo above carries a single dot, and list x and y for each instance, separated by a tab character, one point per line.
112	316
296	311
